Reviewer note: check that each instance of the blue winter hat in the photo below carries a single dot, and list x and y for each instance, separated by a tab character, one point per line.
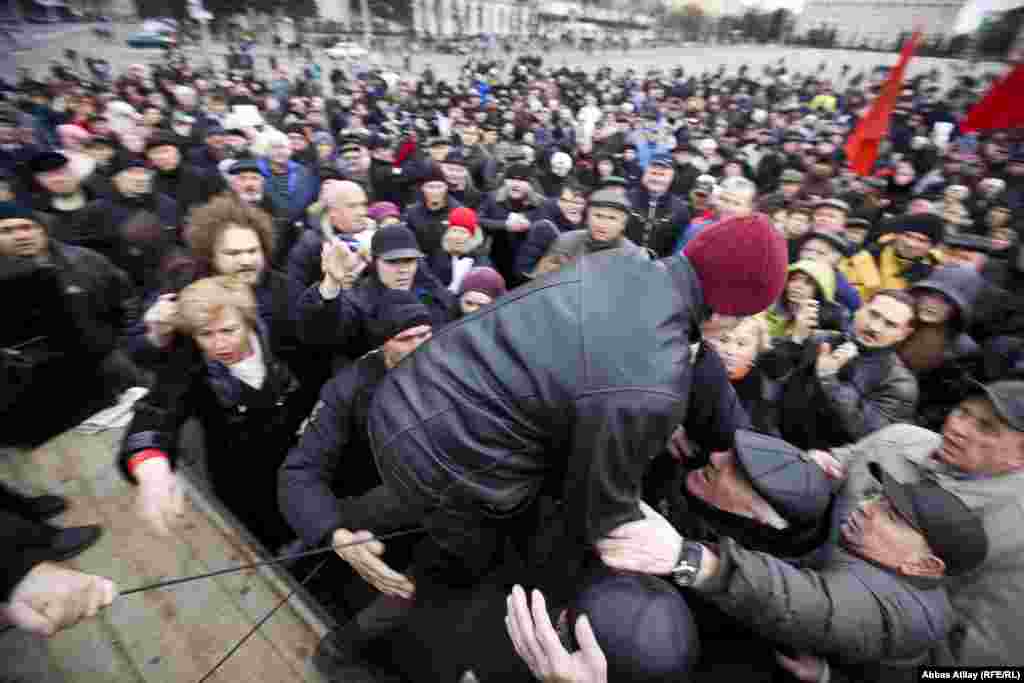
643	625
11	210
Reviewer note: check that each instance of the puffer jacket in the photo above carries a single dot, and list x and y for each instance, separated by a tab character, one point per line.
656	223
482	416
870	392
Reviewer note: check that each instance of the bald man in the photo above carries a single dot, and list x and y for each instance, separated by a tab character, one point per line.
342	216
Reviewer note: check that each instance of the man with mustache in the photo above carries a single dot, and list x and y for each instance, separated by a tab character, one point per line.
836	389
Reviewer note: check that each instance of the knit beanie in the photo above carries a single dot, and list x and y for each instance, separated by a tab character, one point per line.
519	171
10	210
485	280
741	263
927	224
378	211
463	217
397	311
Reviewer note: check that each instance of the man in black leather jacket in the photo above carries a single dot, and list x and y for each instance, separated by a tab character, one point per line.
567	380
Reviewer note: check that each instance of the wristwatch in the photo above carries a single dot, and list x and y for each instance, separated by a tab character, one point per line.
685	571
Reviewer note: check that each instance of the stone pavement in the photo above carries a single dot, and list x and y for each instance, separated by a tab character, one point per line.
693	58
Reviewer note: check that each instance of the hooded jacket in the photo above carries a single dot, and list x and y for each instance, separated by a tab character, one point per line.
781	321
481	417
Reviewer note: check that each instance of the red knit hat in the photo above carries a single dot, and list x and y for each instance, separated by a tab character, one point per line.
741	263
463	217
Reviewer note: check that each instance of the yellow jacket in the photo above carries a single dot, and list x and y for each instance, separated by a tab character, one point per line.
870	274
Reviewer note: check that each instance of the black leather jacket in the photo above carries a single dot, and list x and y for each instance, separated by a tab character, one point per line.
561	378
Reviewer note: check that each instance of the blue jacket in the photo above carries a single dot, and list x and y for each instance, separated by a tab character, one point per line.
303	188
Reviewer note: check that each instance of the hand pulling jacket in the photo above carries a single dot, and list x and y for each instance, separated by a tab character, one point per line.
566	377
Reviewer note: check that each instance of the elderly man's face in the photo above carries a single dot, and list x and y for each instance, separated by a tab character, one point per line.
59	181
348	211
876	531
722	484
22	238
606	224
734	204
517	187
976	440
249	186
658	179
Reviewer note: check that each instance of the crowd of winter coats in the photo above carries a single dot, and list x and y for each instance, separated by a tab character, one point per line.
905	288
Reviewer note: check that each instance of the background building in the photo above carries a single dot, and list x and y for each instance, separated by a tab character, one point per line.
873	21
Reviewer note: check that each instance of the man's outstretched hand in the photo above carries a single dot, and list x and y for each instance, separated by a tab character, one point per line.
537	643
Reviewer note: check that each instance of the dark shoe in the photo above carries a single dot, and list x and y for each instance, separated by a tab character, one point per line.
67	543
339	656
36	508
42	508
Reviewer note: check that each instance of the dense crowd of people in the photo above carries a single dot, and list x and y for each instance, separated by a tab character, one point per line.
641	342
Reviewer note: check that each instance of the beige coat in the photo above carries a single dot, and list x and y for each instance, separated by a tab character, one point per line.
989	601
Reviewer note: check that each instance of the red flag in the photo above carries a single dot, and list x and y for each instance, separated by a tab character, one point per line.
862	147
1001	107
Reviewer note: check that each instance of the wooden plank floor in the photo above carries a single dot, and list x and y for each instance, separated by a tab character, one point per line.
171	635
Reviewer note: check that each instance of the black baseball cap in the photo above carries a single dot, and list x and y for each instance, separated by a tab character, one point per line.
1007	398
394	242
954	533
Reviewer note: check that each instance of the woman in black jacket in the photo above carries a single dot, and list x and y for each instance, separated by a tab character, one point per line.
223	373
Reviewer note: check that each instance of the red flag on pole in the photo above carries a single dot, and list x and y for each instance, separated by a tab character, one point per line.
1001	107
862	147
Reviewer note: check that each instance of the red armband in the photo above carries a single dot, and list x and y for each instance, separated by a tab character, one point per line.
143	456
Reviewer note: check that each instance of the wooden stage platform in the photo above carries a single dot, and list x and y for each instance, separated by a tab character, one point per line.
170	635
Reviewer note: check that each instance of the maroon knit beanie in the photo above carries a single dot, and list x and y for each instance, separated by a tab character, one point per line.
741	263
485	280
